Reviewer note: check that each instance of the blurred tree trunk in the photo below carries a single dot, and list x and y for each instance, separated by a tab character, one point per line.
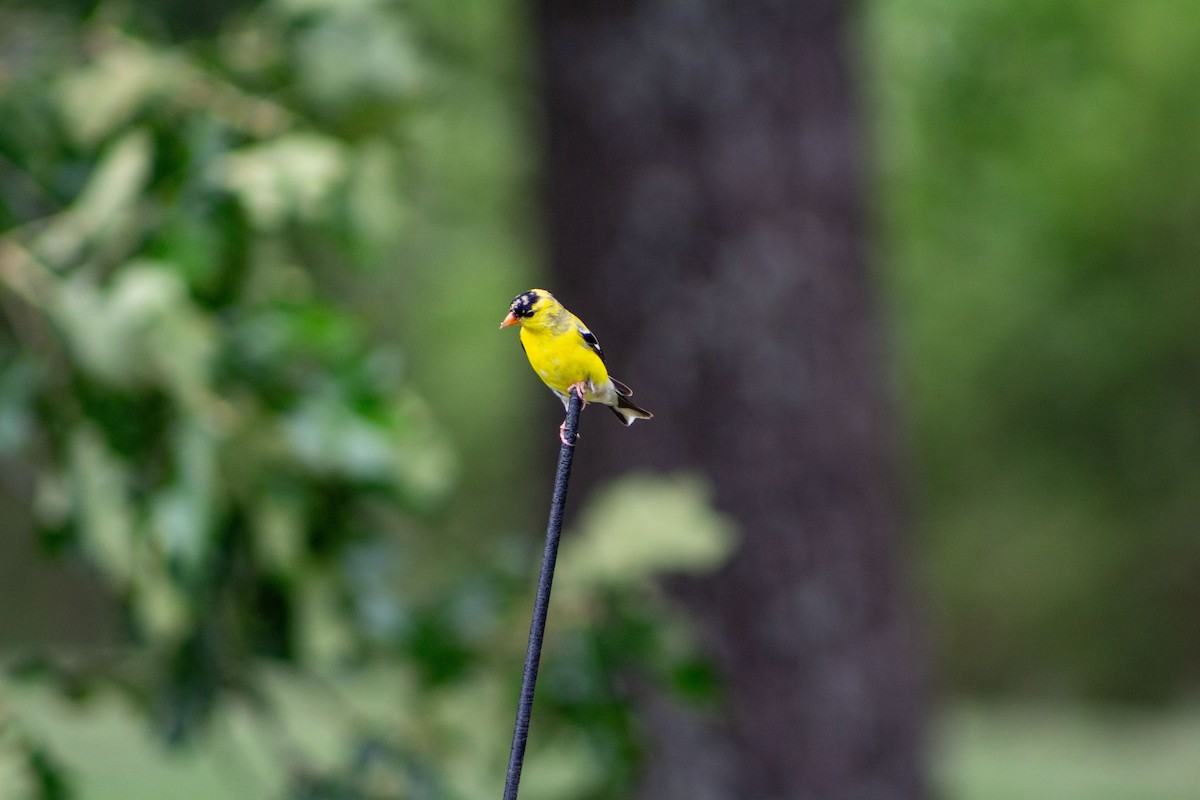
705	217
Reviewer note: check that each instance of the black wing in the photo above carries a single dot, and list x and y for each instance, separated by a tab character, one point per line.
590	338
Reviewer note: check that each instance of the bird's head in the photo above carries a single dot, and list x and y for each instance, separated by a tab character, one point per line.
527	306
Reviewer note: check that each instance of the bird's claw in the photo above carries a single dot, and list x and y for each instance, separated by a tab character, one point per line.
581	390
562	434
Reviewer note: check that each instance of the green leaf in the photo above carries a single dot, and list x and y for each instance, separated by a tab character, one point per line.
144	330
326	638
106	204
27	770
397	448
329	438
182	515
97	99
160	606
290	177
643	525
278	525
385	66
100	488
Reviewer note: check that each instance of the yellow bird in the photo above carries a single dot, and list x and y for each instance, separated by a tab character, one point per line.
567	357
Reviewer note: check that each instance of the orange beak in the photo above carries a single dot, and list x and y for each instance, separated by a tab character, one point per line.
511	319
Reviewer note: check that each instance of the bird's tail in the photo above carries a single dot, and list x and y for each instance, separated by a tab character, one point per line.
627	412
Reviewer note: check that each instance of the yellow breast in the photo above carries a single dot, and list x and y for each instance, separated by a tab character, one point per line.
562	358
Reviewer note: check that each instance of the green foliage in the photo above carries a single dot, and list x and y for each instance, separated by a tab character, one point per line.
27	770
641	525
1039	164
207	248
213	433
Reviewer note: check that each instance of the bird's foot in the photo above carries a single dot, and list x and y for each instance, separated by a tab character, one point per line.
580	389
562	434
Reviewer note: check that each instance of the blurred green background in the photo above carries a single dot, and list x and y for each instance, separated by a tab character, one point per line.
269	475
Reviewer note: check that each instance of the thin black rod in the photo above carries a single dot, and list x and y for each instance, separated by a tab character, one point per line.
537	627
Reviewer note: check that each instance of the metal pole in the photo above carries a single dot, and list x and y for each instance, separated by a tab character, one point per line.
537	626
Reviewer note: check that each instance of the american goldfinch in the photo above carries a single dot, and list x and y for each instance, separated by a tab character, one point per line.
567	357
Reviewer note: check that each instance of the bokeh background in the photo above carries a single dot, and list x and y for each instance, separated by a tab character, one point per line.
273	485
